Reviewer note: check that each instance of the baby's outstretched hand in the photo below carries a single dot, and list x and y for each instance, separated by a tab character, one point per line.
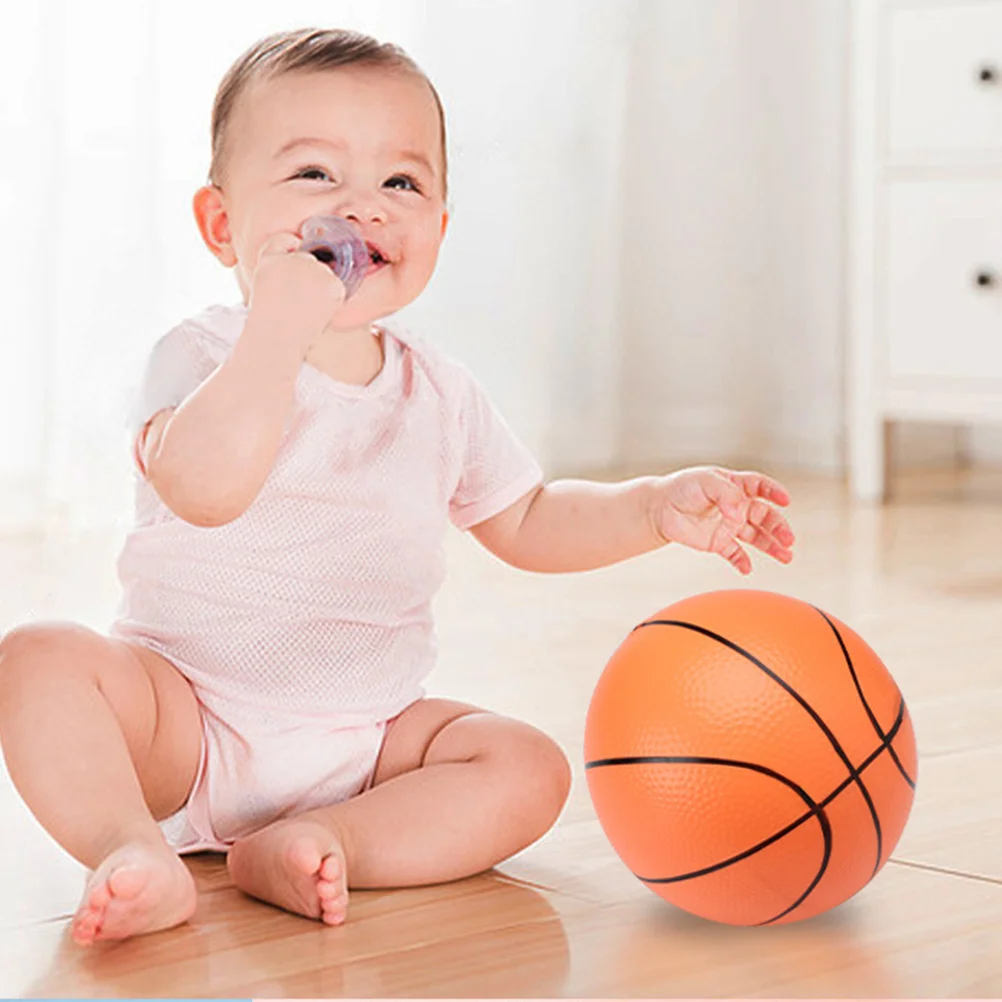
716	510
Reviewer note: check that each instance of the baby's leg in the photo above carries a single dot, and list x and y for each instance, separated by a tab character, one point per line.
100	737
456	791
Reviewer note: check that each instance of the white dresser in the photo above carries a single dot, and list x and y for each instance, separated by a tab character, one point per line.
925	227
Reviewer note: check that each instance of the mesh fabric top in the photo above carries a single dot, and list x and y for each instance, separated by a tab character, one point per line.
317	599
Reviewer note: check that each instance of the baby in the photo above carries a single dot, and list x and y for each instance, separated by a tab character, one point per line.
299	460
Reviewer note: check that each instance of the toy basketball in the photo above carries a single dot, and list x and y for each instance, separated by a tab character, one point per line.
749	757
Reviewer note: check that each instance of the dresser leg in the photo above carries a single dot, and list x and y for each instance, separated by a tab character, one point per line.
868	451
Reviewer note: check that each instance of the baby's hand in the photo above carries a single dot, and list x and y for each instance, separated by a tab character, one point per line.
294	290
713	509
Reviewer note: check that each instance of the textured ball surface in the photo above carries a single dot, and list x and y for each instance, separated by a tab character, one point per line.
749	757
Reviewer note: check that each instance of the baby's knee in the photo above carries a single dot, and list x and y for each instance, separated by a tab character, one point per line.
546	771
560	774
37	648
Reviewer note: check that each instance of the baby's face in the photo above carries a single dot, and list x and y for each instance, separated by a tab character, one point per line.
361	143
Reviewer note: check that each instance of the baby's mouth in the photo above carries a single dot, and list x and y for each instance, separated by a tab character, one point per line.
376	259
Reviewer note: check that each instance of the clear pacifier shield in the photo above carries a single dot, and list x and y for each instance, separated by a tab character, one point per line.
337	243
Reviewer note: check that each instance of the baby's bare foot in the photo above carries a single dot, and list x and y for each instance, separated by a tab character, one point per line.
297	865
138	888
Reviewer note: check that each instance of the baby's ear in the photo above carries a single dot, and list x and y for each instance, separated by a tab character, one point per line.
445	222
214	223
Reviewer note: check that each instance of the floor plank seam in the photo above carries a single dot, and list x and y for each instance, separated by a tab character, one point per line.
957	752
522	882
36	923
947	871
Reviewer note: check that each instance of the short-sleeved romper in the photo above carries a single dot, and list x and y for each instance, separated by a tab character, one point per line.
304	625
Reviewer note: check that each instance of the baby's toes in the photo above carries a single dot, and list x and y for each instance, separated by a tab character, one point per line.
334	910
331	870
98	898
84	928
331	890
90	915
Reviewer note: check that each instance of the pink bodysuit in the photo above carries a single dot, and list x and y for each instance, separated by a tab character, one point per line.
305	624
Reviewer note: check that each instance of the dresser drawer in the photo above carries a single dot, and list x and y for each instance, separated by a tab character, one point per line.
944	78
943	261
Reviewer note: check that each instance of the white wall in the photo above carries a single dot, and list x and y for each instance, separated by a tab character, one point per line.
529	285
734	209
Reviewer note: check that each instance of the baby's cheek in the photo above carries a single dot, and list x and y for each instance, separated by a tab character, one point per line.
424	255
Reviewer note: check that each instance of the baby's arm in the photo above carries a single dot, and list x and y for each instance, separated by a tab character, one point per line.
209	457
579	525
573	525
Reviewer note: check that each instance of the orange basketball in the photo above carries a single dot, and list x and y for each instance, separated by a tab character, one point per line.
749	757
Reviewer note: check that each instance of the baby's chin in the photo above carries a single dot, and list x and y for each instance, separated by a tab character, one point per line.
349	318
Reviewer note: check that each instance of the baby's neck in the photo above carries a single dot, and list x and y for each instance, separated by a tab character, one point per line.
354	357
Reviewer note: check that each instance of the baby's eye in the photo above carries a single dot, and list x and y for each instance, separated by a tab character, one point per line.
313	174
405	179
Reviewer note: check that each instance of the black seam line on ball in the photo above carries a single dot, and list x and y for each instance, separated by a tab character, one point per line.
816	808
862	698
711	760
815	716
885	744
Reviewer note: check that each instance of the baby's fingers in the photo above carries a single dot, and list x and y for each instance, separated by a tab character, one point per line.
732	551
280	243
770	521
757	485
768	531
766	543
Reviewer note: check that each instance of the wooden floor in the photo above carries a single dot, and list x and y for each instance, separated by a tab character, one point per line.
921	579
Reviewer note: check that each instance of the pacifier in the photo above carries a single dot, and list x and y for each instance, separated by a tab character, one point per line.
335	242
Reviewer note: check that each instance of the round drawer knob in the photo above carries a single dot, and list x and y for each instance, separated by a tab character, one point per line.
984	279
987	74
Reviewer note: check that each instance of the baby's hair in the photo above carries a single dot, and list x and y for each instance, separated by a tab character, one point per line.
305	50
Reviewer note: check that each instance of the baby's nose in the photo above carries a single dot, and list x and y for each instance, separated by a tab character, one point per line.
362	211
